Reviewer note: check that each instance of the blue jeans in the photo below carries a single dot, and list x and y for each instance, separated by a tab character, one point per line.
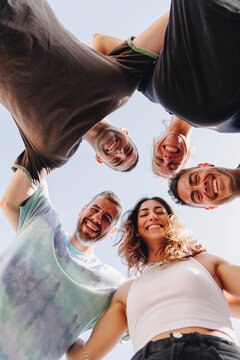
192	346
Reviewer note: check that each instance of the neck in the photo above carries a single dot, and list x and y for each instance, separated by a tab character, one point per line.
85	249
90	136
180	126
155	254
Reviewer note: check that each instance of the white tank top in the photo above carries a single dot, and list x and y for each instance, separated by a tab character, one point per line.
175	296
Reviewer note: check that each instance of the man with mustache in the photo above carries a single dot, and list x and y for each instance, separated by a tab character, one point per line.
53	287
205	186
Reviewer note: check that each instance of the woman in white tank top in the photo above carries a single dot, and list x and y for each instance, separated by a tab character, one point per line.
176	309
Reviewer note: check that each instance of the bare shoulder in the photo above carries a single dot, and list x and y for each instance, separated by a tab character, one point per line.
207	258
210	262
122	293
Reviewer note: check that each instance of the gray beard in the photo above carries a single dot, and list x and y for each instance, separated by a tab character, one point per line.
85	243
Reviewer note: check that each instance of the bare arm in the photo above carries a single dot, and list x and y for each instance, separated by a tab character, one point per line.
230	277
107	331
17	192
104	43
234	304
152	38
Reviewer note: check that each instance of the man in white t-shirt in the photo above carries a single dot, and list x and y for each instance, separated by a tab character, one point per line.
52	285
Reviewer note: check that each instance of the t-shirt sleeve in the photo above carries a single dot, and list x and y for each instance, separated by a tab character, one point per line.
134	61
37	204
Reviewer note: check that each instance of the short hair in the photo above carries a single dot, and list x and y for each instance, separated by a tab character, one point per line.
173	186
111	196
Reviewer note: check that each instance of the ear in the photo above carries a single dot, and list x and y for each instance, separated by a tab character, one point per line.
124	131
98	159
84	207
211	207
113	230
205	165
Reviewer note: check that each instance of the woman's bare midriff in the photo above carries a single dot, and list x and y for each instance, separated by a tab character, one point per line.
188	330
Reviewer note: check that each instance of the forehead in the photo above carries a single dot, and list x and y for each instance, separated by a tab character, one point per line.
151	204
184	187
105	205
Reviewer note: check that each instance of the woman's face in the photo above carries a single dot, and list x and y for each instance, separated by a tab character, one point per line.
170	152
153	221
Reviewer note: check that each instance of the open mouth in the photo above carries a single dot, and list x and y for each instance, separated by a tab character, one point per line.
154	226
171	149
214	187
112	146
93	228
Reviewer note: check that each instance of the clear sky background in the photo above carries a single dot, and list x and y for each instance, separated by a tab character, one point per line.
77	182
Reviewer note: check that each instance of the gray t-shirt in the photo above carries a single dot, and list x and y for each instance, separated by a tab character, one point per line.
50	292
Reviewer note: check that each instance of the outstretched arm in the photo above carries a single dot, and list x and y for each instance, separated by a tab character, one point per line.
107	331
105	43
18	191
230	277
151	39
234	304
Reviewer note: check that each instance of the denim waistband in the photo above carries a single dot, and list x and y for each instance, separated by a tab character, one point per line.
175	337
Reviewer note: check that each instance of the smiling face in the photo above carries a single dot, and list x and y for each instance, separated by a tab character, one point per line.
116	149
97	219
210	186
170	152
153	221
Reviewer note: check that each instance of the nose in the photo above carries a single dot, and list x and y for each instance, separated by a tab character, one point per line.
119	151
120	154
97	217
202	187
168	157
152	216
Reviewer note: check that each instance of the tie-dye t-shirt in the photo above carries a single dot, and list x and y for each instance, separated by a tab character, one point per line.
50	292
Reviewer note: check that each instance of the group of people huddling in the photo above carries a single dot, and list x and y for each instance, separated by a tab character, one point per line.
59	92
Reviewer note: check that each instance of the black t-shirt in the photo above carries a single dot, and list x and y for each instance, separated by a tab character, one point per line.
197	76
55	87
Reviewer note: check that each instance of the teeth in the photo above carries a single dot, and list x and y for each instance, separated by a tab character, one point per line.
215	188
154	226
171	149
112	146
92	226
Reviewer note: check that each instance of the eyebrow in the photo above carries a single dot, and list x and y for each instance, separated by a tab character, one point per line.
130	152
155	207
107	213
190	178
192	197
120	162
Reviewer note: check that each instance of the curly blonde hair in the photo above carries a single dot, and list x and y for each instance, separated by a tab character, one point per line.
178	244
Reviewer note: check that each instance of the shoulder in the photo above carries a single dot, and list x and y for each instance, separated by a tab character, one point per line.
122	293
210	262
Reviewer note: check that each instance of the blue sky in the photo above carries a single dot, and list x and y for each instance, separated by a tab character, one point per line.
77	182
